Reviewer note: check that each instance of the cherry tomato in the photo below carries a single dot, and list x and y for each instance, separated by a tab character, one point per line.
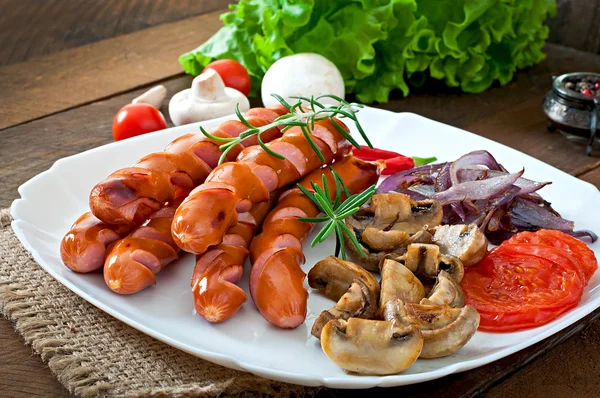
233	73
137	119
520	286
581	253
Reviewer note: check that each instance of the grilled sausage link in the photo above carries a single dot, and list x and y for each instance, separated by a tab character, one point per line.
132	194
216	295
132	262
232	188
83	248
276	278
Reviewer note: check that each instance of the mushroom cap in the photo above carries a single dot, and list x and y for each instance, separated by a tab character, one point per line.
398	283
319	76
446	291
358	302
333	277
466	242
445	329
371	347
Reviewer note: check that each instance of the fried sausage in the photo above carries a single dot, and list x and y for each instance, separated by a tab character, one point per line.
132	194
83	248
276	278
132	262
232	188
216	295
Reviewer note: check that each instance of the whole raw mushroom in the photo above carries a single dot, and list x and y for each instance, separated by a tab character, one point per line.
208	98
304	74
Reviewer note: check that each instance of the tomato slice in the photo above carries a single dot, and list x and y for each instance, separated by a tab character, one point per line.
581	253
519	286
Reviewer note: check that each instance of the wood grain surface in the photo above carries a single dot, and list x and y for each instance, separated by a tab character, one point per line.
84	74
32	28
576	25
87	83
592	177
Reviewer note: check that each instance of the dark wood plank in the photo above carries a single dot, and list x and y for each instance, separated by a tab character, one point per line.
566	371
576	25
84	74
32	28
592	177
60	135
19	365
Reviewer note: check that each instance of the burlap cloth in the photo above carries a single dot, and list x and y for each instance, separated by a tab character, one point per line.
92	353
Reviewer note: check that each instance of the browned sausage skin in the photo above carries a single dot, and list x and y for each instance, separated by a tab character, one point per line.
276	278
132	194
232	188
132	262
83	248
214	281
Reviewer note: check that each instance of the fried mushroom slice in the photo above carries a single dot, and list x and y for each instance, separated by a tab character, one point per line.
466	242
397	282
446	291
358	302
388	223
445	329
426	261
333	277
371	347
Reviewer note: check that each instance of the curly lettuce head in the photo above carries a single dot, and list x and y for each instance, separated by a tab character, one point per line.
379	45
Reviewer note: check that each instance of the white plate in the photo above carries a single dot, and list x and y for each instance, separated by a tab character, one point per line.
52	200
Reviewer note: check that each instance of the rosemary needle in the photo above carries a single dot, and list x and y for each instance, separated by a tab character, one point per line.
335	211
298	115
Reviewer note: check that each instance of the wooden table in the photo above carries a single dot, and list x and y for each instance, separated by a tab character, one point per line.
61	101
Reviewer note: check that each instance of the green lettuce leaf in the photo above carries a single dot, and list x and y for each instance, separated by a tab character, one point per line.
385	45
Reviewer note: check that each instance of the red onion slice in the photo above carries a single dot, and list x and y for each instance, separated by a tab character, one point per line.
479	158
403	178
474	190
528	213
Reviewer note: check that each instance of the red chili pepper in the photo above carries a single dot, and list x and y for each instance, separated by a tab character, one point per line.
587	92
366	153
401	163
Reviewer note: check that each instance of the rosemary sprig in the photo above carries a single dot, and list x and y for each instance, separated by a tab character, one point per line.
304	117
335	211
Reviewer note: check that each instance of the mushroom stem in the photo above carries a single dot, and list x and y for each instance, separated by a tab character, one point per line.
208	86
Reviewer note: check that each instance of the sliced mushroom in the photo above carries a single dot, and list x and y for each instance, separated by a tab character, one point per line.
405	214
446	291
388	223
371	347
445	329
378	239
358	302
397	282
333	277
426	261
465	242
